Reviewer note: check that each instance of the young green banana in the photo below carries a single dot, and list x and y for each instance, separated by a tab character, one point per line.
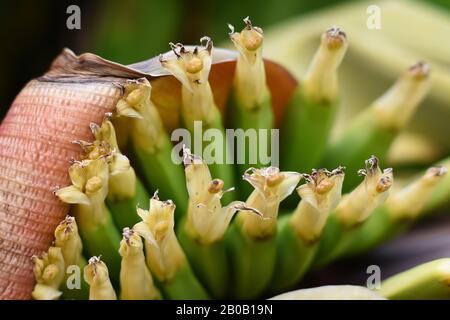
136	282
125	190
151	145
250	105
355	208
299	232
402	208
164	255
198	109
201	232
374	129
308	120
88	192
97	276
251	239
68	239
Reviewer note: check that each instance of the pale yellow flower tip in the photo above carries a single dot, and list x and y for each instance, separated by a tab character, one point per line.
207	219
97	276
408	202
271	187
106	133
271	183
136	94
89	182
163	252
319	196
250	78
190	67
131	243
49	271
68	239
136	282
394	108
357	206
320	83
249	40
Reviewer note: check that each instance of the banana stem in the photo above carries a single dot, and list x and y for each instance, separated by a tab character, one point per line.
183	286
294	257
209	263
427	281
124	211
310	115
162	174
305	130
363	138
102	239
252	263
249	154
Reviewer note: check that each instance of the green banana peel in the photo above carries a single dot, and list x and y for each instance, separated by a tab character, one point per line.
430	280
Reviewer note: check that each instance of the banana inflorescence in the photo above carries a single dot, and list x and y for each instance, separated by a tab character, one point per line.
205	245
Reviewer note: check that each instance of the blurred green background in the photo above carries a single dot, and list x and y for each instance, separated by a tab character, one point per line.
34	32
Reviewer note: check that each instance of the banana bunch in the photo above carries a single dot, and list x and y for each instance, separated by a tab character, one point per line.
206	239
408	31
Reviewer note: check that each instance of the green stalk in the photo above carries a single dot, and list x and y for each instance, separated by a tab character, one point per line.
294	257
309	117
160	172
248	153
250	105
102	239
124	211
374	129
209	263
427	281
252	262
184	286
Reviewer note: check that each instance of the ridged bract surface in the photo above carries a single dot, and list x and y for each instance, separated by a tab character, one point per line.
35	149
